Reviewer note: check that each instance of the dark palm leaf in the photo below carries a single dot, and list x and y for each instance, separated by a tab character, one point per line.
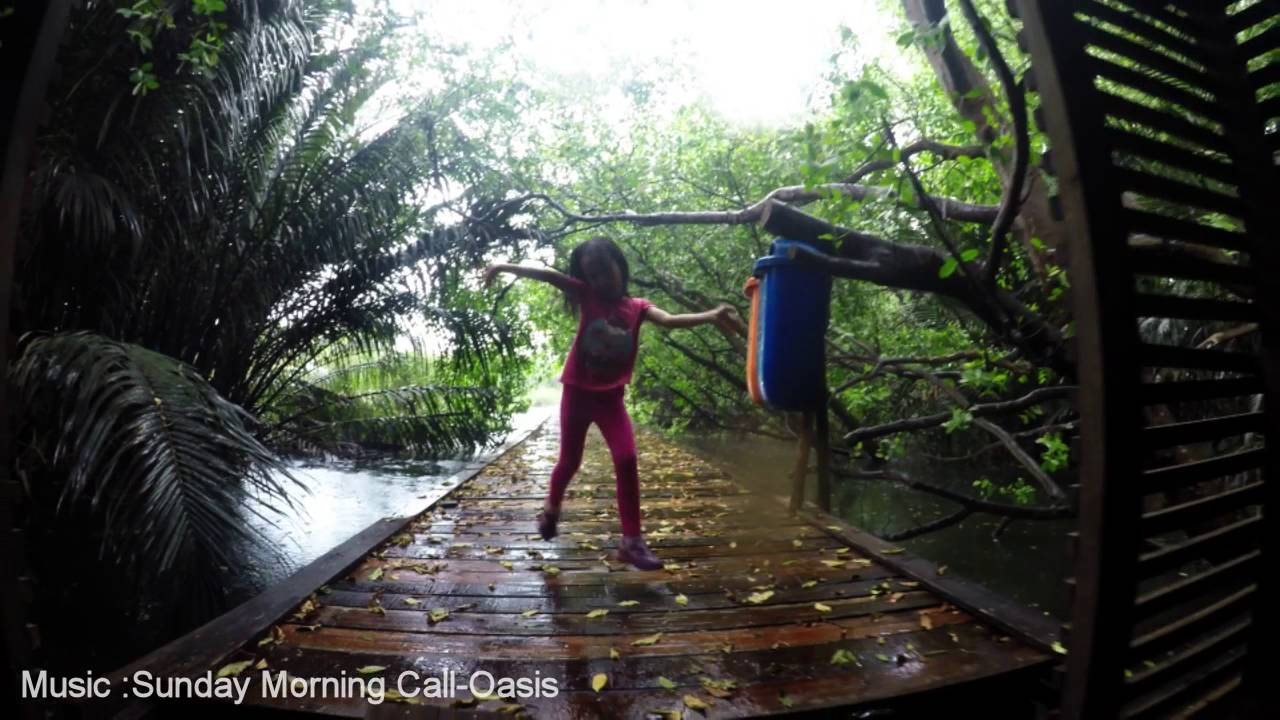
402	402
166	464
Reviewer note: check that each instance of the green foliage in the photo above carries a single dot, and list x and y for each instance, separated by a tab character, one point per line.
221	234
148	19
407	402
960	419
1056	452
1019	491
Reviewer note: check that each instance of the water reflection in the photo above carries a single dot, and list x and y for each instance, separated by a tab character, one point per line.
1028	562
342	498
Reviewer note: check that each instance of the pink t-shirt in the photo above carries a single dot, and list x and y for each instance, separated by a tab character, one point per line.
604	351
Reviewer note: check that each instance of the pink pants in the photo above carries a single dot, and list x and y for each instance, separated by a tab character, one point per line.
578	409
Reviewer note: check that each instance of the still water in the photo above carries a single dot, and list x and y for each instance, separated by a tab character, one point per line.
343	498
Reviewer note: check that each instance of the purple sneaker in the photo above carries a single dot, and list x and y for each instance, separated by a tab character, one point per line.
635	552
547	523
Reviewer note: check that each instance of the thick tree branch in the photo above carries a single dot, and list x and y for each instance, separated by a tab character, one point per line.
1027	462
1034	397
950	208
971	96
1011	203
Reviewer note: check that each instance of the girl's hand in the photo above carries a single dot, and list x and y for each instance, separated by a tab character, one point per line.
727	318
491	272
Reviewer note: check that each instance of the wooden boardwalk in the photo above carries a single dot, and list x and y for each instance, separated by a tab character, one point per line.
757	612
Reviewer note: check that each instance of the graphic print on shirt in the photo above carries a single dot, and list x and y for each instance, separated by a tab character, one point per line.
605	345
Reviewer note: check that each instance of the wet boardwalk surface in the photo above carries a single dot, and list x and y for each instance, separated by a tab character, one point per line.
757	612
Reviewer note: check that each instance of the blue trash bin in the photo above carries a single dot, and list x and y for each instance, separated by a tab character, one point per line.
795	301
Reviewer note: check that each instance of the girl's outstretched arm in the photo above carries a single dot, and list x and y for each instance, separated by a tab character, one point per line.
723	315
547	275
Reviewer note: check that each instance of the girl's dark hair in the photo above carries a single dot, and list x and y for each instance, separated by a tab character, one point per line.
597	244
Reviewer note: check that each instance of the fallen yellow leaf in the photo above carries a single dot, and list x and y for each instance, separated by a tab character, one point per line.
648	640
599	681
822	608
233	669
694	703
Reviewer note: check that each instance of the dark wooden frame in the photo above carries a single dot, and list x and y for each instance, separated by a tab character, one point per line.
1110	623
31	38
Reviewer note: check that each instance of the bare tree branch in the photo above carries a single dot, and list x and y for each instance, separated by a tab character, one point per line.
1011	203
971	96
950	208
1023	458
949	152
1034	397
1052	512
945	521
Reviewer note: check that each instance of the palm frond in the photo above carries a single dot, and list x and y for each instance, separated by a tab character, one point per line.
163	462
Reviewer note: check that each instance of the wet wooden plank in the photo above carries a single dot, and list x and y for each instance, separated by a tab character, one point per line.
672	619
751	595
569	647
794	677
1031	625
628	588
482	601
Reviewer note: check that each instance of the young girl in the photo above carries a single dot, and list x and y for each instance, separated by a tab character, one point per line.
595	375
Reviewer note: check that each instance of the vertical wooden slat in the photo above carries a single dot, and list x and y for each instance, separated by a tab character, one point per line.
802	462
1204	504
1106	351
822	439
1246	130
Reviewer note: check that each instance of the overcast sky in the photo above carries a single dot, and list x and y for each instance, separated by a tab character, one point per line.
756	61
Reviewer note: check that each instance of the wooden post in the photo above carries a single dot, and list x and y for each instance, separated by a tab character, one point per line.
802	463
822	443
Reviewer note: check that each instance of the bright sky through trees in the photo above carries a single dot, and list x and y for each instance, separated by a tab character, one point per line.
755	61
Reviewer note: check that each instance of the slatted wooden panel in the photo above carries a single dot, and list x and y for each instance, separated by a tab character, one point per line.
1162	117
722	544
